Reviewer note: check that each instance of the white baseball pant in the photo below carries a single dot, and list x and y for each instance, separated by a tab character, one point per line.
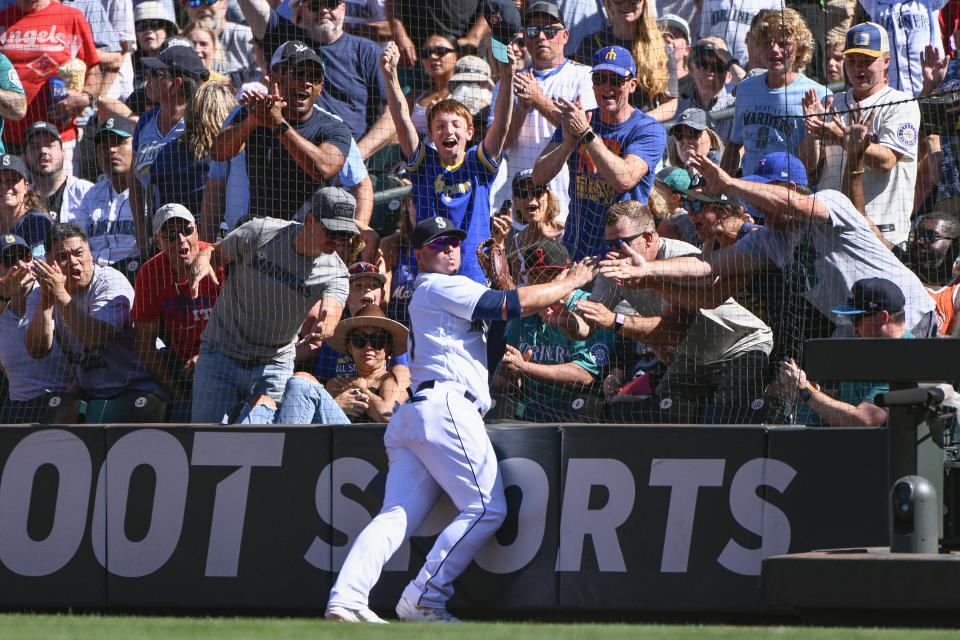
433	445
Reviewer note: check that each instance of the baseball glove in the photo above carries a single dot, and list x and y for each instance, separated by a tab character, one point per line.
494	263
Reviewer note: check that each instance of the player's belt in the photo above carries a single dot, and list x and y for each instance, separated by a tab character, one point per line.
430	384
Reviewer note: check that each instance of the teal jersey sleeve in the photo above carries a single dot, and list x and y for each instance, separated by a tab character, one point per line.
9	79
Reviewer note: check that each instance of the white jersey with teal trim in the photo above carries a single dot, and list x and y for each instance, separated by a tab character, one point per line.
444	343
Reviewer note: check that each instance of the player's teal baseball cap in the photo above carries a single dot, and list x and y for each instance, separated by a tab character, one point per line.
436	227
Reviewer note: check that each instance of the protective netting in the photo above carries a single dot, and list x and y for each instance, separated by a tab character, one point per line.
620	135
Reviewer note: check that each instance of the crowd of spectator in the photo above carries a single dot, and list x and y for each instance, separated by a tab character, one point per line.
188	211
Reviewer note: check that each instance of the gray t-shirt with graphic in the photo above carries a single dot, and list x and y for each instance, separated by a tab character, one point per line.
268	291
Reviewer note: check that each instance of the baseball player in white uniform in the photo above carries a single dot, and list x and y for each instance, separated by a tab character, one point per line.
437	442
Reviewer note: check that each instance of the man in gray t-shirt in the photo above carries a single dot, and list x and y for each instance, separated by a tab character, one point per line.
717	353
85	309
819	240
283	276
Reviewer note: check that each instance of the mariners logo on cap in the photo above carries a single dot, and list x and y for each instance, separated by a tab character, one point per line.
610	55
861	39
6	161
441	224
685	115
108	124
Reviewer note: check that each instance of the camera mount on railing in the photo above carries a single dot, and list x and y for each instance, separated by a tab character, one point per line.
936	405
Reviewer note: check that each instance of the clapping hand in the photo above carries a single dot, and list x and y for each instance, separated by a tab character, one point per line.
266	109
856	135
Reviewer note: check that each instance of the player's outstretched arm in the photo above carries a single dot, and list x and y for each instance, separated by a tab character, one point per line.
536	298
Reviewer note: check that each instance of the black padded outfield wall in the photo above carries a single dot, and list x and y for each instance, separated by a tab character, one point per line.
601	518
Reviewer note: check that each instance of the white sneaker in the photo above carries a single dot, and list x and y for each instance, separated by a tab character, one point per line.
406	610
363	614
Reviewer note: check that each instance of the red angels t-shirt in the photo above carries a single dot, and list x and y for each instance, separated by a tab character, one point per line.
159	298
37	44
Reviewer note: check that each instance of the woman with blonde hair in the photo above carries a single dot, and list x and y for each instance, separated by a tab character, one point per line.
205	115
207	45
633	27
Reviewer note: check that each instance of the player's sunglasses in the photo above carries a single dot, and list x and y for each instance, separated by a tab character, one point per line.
614	245
689	133
13	256
529	192
152	25
172	235
441	243
600	79
928	236
319	5
377	340
436	51
548	30
200	3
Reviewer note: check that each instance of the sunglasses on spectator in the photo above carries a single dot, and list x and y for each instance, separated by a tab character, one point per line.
200	3
302	74
614	245
377	340
441	243
710	65
319	5
533	191
548	30
162	73
151	25
12	257
928	236
686	132
609	78
172	235
436	51
339	236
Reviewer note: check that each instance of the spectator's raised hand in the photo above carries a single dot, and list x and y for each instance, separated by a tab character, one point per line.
53	281
266	109
16	280
408	50
818	116
574	120
789	380
527	88
500	225
513	361
582	273
390	59
596	314
856	135
716	179
201	269
933	68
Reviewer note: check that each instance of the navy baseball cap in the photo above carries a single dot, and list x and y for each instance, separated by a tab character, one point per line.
10	240
615	59
546	254
334	208
183	60
117	126
294	52
779	166
9	162
869	38
543	8
41	127
524	174
504	20
872	295
436	227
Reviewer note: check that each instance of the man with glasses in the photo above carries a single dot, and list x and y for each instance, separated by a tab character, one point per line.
291	145
611	151
85	309
236	57
710	73
165	304
535	118
875	308
355	89
284	277
437	442
30	382
717	354
933	249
